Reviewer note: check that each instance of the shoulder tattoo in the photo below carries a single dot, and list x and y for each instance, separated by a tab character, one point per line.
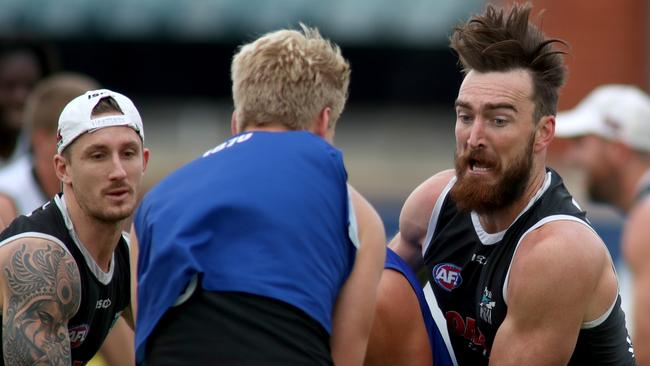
44	292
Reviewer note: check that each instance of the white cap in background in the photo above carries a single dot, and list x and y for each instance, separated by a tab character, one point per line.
614	112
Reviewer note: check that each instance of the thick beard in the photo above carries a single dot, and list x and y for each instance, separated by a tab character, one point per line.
473	194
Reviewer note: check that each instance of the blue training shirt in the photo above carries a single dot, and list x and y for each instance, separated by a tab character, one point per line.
439	350
264	213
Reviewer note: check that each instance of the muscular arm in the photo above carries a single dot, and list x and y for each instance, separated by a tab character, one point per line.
117	349
398	335
636	247
354	309
560	277
414	219
41	292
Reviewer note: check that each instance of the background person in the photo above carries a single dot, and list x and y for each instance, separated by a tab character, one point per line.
22	65
610	141
30	181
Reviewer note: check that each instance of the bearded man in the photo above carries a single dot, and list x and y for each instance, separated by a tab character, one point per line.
517	270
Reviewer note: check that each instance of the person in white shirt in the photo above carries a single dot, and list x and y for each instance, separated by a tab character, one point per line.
610	139
30	181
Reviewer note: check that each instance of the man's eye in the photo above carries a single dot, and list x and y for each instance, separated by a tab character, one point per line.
464	118
500	121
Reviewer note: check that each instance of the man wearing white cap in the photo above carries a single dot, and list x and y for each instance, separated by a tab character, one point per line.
65	268
610	132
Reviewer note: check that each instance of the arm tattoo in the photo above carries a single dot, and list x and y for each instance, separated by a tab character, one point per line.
44	290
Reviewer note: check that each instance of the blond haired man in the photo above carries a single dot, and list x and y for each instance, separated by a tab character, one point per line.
259	252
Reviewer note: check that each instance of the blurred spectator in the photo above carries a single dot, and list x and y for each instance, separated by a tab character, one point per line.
30	180
610	140
22	65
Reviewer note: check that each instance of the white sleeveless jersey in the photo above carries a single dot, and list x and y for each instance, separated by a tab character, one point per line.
18	182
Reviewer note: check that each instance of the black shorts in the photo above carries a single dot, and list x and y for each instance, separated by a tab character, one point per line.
230	328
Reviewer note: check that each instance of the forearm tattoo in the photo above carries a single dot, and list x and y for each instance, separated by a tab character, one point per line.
44	293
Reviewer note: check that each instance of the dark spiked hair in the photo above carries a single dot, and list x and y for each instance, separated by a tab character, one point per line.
503	40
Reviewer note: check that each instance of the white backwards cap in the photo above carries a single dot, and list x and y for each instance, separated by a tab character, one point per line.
76	119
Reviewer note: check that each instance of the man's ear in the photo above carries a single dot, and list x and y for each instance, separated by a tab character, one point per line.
322	123
61	168
234	130
145	159
544	132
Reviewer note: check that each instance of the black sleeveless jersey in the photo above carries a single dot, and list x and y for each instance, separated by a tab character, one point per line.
103	295
468	268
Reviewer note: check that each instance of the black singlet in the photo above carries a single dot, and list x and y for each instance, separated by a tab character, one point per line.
103	295
468	268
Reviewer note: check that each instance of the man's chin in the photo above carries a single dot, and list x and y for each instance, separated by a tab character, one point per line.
479	182
473	193
116	214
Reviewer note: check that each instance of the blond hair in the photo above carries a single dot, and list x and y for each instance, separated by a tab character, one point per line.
289	77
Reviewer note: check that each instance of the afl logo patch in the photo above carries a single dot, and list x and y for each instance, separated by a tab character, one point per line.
78	335
447	276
